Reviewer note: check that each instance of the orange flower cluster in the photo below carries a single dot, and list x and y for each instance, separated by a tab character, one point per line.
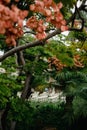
38	26
51	11
11	22
54	61
11	19
77	61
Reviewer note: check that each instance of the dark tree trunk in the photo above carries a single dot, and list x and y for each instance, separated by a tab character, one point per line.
19	58
4	117
25	94
27	89
20	62
1	112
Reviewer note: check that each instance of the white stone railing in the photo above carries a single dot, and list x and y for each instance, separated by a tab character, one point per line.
46	96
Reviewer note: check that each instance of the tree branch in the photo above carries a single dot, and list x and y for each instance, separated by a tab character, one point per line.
29	45
77	12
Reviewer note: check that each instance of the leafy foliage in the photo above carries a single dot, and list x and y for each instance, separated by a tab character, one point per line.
8	89
67	64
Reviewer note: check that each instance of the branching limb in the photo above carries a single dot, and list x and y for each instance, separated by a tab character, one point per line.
29	45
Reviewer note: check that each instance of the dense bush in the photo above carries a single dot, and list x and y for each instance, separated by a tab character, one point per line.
43	115
38	115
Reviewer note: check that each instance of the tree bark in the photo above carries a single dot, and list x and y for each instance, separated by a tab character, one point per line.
27	89
4	117
1	112
20	62
25	94
29	45
20	59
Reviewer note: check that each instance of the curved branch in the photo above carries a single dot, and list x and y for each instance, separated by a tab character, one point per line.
29	45
77	12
